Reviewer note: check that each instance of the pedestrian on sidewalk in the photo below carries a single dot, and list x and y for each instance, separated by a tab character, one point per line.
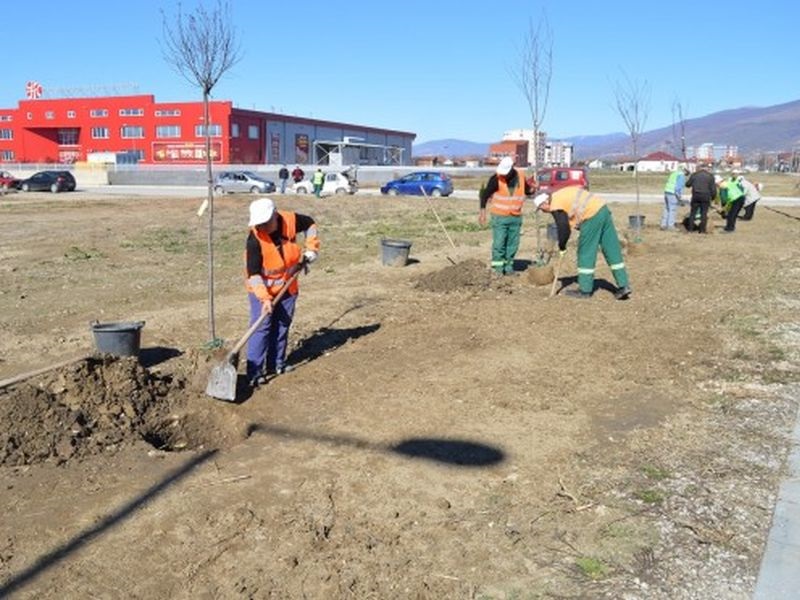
283	175
318	180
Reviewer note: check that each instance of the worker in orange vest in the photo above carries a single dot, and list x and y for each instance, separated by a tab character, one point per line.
576	208
272	256
507	190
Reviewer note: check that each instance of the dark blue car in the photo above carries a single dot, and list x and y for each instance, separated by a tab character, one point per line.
420	183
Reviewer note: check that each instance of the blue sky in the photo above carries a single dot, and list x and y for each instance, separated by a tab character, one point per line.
438	69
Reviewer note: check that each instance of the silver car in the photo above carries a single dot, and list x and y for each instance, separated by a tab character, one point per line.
242	182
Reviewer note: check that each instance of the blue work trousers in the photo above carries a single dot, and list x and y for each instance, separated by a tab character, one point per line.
266	348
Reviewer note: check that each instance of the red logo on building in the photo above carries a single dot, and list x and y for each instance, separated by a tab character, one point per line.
33	90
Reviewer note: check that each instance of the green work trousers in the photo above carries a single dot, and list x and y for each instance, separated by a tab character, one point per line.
595	232
505	242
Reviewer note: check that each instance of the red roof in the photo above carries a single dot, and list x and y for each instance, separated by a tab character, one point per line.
660	156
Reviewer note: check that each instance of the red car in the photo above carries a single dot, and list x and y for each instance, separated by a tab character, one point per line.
8	181
553	178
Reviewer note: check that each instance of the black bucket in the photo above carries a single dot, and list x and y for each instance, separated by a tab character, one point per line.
394	253
119	339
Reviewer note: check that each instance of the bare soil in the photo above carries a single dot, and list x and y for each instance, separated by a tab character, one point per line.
447	433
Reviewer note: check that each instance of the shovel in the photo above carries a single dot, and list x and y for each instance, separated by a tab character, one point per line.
436	214
555	277
223	378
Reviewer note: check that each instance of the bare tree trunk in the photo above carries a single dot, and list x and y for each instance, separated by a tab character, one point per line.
210	197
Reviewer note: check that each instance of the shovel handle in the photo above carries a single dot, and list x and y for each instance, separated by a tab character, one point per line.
555	277
260	320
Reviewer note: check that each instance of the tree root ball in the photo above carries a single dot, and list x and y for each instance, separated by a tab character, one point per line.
541	275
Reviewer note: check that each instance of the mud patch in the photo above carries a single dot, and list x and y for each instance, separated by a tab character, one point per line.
469	274
99	404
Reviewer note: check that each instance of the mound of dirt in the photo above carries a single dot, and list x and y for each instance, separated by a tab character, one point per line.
90	406
468	274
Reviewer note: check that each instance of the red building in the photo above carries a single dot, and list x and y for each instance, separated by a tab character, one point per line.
67	130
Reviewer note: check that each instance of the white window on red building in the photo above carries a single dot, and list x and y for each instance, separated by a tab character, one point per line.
168	131
214	130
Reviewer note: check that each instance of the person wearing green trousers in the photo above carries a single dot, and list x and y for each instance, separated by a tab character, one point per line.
507	190
572	208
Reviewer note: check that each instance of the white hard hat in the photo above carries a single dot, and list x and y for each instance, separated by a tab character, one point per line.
540	199
505	166
261	211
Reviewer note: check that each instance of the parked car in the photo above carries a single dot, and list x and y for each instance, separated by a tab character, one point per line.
553	178
8	181
242	181
334	183
54	181
434	183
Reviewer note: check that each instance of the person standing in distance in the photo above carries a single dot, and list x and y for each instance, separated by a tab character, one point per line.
283	175
318	180
272	256
507	190
704	189
672	197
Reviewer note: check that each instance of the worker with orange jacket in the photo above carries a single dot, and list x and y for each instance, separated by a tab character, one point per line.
507	190
576	208
272	256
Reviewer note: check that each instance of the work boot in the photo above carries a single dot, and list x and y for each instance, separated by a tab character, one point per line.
257	381
577	294
623	293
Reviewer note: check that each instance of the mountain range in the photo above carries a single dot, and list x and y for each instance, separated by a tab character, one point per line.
752	129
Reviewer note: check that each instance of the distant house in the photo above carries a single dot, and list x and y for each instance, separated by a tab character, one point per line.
658	162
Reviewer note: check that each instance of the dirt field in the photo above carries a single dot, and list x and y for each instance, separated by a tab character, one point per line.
447	433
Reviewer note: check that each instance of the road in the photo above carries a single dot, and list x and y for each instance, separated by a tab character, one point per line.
193	191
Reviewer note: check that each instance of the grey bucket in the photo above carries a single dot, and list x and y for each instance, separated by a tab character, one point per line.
635	221
394	253
552	232
119	339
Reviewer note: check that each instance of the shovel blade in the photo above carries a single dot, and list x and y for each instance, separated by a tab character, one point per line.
222	382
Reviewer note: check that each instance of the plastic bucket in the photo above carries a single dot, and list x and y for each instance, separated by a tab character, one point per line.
119	339
636	221
552	232
394	253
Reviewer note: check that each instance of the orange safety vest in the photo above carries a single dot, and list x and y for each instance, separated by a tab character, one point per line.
277	268
579	204
505	204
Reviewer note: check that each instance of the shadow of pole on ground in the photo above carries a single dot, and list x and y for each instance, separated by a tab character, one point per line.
16	582
463	453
